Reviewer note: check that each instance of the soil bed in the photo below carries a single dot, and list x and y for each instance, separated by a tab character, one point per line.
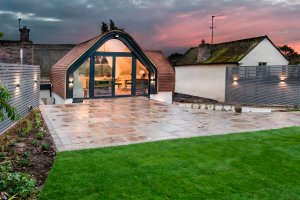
31	150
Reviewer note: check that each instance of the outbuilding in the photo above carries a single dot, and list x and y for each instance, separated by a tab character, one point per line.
111	65
201	71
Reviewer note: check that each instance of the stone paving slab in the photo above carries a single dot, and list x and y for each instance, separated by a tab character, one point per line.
121	121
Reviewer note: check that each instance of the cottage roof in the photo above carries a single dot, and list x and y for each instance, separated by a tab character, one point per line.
222	53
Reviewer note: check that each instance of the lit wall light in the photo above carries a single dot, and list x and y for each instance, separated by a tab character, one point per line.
235	80
282	77
70	82
152	78
117	35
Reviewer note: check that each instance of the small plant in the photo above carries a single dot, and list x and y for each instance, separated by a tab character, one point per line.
238	108
35	143
5	138
38	122
27	127
206	107
2	157
40	134
11	143
214	106
26	154
25	162
45	146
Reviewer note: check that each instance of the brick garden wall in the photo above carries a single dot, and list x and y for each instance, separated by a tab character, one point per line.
10	52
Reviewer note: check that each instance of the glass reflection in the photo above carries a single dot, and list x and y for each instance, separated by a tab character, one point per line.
114	45
123	76
142	79
103	76
81	79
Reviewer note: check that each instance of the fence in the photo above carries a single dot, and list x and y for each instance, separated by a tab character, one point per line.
263	85
23	83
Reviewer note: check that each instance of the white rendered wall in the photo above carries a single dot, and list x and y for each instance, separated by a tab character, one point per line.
203	81
166	97
60	100
264	52
46	94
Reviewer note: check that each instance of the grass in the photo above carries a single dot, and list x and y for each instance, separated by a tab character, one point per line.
258	165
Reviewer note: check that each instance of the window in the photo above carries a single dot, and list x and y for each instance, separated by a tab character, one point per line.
114	45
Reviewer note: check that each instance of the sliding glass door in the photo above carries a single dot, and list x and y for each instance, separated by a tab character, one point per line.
123	76
103	76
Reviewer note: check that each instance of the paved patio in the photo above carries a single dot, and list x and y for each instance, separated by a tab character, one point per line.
108	122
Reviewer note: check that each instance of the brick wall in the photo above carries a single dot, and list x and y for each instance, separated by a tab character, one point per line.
10	52
46	55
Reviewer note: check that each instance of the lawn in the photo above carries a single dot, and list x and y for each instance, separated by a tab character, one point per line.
258	165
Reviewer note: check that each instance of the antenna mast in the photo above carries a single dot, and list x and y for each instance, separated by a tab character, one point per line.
19	23
213	27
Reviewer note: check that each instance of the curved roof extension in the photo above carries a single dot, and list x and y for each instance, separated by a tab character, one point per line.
74	58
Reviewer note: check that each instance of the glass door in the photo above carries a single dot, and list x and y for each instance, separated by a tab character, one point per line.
103	78
123	76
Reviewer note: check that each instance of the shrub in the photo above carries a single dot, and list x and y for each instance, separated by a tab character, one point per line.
6	110
26	128
238	108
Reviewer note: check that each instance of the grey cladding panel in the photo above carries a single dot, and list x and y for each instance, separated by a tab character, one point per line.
24	96
263	85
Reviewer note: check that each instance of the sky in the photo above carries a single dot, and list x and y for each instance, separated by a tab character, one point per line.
167	25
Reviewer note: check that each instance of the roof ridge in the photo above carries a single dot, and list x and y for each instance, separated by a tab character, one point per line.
239	40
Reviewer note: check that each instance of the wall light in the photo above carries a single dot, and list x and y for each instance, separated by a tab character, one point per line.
117	35
152	78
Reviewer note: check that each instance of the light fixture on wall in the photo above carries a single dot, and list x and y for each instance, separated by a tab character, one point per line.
117	35
152	78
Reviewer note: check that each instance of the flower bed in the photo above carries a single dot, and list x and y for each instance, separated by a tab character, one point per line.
26	156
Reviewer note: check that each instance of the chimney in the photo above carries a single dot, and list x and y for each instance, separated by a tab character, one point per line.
204	51
24	34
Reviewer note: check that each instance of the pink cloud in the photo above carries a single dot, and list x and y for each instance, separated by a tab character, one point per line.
183	30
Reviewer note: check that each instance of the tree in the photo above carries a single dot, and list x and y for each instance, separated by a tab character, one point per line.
6	110
112	25
104	27
1	34
290	54
174	57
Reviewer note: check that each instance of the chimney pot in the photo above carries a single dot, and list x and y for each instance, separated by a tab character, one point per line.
24	34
